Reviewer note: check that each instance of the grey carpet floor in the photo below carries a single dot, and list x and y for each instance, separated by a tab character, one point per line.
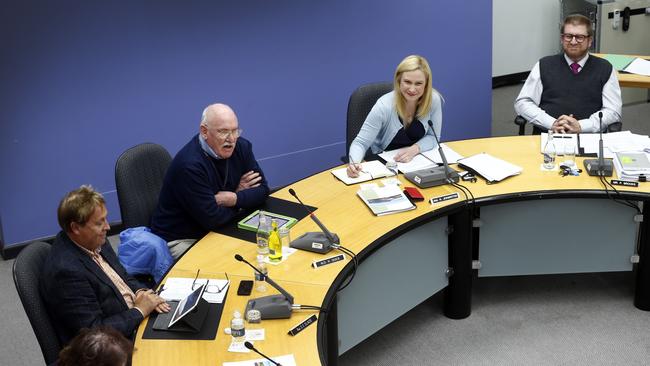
586	319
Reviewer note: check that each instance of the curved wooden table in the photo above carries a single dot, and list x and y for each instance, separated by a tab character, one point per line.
374	238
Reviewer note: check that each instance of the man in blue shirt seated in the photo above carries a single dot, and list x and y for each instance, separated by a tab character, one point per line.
210	179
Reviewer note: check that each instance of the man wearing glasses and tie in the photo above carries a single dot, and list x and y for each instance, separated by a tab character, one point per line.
565	92
210	179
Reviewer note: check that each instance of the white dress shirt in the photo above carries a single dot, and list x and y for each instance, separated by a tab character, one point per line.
527	103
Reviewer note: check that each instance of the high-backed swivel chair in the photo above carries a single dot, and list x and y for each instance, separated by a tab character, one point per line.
359	105
26	272
139	174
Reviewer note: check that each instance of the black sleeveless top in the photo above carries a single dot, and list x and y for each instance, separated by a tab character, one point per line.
407	136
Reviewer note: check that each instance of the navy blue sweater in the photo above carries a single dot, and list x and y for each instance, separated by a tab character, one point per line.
187	208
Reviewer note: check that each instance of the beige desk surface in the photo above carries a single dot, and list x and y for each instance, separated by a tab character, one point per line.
344	213
631	80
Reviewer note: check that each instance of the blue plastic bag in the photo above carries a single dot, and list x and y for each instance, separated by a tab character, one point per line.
143	252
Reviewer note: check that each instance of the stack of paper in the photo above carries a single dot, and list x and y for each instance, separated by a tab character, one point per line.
631	64
384	200
422	160
614	142
489	167
630	165
370	170
639	66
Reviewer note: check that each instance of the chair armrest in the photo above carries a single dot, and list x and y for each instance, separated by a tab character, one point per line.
615	127
521	122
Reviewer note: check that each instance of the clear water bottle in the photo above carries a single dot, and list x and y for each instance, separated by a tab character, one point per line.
263	231
550	152
237	328
260	281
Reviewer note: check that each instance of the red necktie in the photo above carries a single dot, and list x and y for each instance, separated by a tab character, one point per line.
575	67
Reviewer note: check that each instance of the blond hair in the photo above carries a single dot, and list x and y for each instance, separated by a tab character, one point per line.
78	205
412	63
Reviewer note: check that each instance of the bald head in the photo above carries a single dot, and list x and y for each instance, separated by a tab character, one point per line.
217	112
219	127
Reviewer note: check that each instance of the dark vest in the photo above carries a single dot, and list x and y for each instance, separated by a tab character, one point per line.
566	93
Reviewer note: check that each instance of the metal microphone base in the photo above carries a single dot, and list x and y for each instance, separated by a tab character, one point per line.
316	242
432	177
593	167
271	307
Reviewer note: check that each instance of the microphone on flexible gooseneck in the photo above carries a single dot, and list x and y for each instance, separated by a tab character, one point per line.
250	346
601	161
453	178
314	242
599	167
272	306
442	154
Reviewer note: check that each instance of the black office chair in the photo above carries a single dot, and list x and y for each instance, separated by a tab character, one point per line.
359	105
521	122
139	174
26	272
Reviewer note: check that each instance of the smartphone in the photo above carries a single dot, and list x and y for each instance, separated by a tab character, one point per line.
413	194
245	288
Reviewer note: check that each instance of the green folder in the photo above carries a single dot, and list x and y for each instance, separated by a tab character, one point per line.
619	62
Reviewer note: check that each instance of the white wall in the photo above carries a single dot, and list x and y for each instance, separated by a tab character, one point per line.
635	41
523	31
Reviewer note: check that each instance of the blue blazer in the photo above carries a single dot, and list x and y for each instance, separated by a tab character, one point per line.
78	294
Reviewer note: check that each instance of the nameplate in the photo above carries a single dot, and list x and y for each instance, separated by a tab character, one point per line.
304	324
446	197
326	261
626	183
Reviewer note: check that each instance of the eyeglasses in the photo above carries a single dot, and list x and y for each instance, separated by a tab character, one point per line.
222	134
211	289
579	37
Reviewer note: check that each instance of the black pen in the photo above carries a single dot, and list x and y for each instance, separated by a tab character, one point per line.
161	289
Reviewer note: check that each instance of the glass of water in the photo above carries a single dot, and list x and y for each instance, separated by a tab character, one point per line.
570	155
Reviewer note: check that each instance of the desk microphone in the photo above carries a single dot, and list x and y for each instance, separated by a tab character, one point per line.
436	176
250	346
600	166
272	306
317	242
450	174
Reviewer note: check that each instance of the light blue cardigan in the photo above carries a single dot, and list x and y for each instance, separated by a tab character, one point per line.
382	124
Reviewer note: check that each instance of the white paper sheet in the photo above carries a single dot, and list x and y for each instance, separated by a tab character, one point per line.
423	160
176	288
639	66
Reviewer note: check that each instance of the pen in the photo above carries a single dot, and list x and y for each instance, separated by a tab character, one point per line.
360	167
160	290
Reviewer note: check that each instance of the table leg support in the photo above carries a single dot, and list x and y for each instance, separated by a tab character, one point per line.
642	290
458	295
332	334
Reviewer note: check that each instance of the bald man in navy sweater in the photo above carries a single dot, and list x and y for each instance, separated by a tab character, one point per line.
210	179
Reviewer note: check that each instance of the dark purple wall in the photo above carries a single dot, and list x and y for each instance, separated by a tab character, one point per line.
81	81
